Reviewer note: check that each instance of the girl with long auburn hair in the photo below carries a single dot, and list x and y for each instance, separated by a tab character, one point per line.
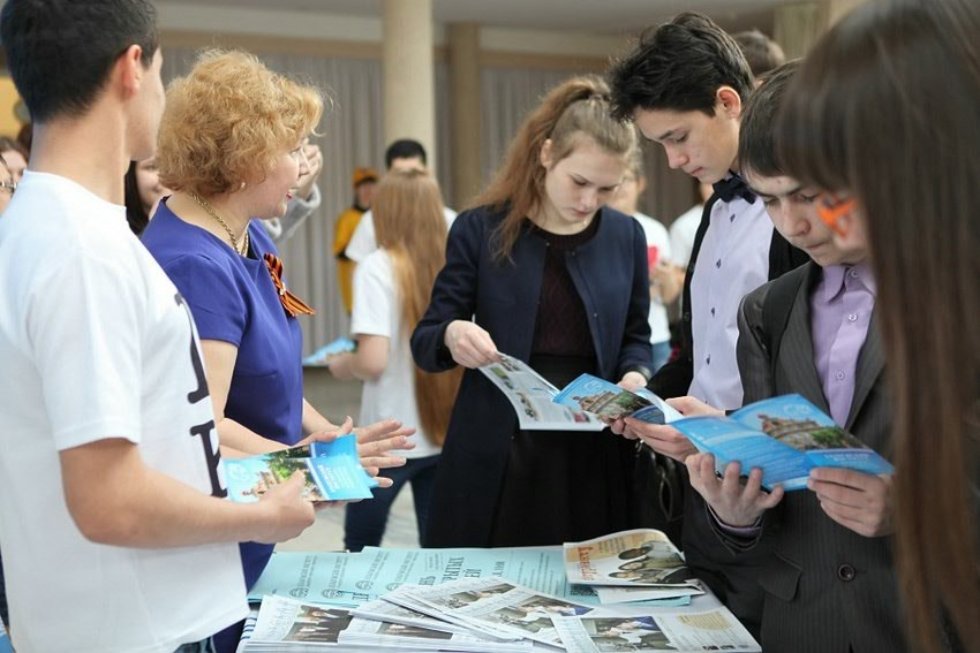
542	271
884	116
391	290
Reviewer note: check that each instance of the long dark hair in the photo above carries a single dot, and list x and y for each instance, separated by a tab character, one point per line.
886	107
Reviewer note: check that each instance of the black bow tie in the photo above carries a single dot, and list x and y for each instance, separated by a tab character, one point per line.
729	189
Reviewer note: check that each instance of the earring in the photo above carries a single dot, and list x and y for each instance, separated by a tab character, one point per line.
242	187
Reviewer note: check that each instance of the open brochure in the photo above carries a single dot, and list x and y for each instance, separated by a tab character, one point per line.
333	472
609	402
641	557
532	397
334	348
784	436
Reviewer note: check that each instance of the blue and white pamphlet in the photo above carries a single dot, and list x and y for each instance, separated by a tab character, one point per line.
333	472
320	357
610	402
784	436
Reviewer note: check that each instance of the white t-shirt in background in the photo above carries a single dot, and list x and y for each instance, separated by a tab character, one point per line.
364	241
657	237
377	312
96	344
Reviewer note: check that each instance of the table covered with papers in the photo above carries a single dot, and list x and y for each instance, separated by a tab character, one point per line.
623	592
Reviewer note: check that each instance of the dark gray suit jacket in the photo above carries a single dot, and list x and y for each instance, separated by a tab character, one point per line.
824	587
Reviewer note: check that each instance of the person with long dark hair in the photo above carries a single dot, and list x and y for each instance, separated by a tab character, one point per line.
884	116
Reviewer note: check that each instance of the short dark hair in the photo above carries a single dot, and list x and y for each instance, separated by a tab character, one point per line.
679	66
756	139
762	53
404	148
60	52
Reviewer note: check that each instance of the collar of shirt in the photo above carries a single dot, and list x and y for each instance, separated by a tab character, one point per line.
838	279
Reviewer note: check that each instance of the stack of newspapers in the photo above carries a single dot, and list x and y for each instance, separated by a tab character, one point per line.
492	600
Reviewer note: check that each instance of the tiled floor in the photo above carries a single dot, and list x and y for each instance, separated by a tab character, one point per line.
336	399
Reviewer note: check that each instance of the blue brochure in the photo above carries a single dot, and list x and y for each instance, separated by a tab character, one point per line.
610	402
338	346
784	436
333	472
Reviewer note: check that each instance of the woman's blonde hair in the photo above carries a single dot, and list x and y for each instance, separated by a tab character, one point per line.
576	109
228	120
410	226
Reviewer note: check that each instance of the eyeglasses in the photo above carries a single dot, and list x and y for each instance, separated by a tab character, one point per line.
832	208
8	185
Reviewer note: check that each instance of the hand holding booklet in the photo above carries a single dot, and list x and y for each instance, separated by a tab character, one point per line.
784	436
332	469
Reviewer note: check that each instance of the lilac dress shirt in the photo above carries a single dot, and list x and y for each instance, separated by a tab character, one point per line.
840	313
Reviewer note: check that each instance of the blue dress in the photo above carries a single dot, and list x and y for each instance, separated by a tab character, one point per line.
233	299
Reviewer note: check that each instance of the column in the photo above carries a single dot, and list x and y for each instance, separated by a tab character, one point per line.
409	75
465	106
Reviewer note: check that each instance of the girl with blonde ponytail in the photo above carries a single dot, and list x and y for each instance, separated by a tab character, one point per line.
391	289
543	271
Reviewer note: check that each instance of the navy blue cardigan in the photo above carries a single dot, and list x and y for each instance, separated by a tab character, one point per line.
610	275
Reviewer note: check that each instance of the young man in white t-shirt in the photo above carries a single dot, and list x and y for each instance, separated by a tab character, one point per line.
110	488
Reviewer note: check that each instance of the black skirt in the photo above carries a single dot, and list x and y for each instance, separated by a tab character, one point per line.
564	486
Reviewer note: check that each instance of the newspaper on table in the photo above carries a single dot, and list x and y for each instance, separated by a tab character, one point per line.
707	630
532	397
287	625
496	607
382	610
384	634
609	594
350	579
640	557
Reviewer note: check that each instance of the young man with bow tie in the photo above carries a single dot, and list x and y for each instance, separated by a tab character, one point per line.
684	86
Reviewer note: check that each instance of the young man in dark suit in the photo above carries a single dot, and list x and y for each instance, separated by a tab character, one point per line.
822	556
684	86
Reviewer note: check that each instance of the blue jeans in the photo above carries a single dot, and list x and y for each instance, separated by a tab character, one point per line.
365	521
661	352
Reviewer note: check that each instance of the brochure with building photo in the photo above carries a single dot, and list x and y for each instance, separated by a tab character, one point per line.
641	557
784	436
332	469
609	402
532	397
690	632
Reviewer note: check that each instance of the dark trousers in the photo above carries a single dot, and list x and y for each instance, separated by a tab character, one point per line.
365	521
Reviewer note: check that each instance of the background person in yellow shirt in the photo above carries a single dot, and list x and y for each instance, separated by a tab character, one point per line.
364	180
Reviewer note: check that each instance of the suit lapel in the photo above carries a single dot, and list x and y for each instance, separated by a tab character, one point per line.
796	351
871	363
